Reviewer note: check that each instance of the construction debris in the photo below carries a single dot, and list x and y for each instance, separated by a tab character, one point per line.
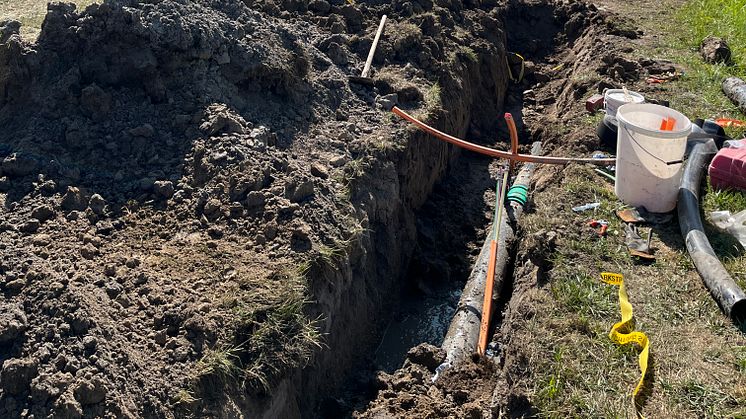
735	89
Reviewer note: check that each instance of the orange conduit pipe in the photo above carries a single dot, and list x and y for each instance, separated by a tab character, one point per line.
513	138
493	152
489	285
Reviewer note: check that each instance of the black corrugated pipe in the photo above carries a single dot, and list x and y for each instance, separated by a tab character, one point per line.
722	287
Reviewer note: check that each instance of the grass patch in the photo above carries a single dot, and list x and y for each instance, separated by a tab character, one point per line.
725	19
269	335
706	401
222	363
279	337
468	53
31	13
698	93
433	99
725	200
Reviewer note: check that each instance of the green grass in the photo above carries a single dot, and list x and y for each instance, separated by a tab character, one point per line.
222	363
577	370
31	13
698	93
274	339
725	19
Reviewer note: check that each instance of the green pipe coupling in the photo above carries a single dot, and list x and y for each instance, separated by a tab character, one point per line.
519	194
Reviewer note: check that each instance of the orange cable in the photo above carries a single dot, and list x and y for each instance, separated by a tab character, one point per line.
513	138
493	152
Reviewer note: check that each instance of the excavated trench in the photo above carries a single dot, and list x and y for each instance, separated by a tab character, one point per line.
150	146
453	223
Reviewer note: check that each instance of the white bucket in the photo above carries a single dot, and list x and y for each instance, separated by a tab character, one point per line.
614	98
649	160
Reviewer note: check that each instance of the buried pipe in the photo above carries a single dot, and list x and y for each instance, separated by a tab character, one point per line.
724	290
463	334
491	152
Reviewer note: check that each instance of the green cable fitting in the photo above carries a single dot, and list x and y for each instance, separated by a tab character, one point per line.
519	194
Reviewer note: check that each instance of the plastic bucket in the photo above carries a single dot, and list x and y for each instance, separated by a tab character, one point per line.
614	98
649	160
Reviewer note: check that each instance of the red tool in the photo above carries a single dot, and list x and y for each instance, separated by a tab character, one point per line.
601	226
727	122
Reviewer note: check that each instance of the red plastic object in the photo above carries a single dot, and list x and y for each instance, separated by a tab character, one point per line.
594	103
728	169
727	122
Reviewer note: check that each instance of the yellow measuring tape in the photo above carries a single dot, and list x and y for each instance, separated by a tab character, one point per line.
622	332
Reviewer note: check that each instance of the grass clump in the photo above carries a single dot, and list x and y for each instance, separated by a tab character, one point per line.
222	363
468	53
270	335
433	99
284	340
278	338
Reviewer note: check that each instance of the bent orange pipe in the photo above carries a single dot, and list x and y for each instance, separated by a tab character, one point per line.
513	138
493	152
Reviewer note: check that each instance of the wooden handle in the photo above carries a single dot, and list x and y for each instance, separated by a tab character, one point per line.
373	47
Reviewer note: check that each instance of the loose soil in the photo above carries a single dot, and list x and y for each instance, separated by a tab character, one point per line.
197	204
202	217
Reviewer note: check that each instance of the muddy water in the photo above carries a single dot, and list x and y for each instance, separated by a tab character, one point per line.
420	318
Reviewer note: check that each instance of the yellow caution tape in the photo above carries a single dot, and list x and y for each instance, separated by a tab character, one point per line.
622	332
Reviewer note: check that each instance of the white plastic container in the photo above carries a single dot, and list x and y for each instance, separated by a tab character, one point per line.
614	98
649	161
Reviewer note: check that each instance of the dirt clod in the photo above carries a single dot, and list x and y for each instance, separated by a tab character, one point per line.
16	374
427	355
715	50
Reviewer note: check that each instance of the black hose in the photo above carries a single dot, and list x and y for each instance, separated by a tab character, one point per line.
722	287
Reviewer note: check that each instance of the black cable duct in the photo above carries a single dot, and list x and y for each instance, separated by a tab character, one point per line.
724	290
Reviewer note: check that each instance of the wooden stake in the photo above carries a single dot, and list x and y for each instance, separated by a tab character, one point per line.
369	61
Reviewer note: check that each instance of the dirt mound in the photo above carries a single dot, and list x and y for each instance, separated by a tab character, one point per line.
410	391
172	171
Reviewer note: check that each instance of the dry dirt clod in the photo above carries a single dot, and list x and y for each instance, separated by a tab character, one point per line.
16	374
90	391
427	355
297	191
68	407
144	130
163	189
30	226
19	164
318	170
97	203
73	200
338	161
43	212
715	50
95	101
13	323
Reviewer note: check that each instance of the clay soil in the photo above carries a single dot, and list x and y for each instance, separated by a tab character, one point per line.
203	217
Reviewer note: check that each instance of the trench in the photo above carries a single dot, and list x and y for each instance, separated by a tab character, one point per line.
446	219
448	244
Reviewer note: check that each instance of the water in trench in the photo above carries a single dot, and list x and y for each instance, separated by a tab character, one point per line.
420	318
451	227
